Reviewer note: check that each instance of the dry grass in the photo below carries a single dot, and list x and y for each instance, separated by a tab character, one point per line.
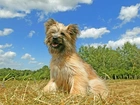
122	92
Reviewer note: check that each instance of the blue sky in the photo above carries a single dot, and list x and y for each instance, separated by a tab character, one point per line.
22	32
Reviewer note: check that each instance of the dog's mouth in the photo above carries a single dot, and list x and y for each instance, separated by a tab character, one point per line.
55	45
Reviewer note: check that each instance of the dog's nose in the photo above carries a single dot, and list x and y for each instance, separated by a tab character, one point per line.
55	37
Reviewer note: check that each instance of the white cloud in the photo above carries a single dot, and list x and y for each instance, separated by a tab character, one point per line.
93	32
10	14
127	14
31	33
132	36
32	62
40	63
135	32
9	55
20	8
1	51
95	44
7	59
36	62
27	57
5	46
6	31
41	16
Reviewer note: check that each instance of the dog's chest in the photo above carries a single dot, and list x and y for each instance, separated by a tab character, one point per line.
61	72
62	75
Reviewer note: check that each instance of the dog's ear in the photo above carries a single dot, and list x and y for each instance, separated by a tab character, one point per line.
72	29
49	23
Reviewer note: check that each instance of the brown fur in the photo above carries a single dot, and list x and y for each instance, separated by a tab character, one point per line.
68	71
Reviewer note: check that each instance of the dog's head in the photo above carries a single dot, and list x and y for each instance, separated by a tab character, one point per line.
60	38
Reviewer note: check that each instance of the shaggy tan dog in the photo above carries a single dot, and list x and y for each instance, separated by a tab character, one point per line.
68	71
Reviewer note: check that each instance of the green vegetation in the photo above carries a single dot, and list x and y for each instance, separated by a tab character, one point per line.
120	63
8	73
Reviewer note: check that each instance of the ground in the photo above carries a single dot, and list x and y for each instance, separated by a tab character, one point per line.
26	92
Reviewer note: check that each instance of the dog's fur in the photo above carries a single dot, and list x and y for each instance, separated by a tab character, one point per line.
68	71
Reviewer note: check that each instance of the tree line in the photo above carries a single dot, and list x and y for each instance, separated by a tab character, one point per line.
8	73
120	63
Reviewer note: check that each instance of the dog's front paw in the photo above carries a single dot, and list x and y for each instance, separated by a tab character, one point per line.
50	87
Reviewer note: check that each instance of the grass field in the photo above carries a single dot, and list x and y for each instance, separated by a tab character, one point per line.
122	92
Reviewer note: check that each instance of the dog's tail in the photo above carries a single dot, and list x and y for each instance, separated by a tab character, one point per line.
98	88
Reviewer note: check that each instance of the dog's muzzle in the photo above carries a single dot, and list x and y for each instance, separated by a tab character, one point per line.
56	42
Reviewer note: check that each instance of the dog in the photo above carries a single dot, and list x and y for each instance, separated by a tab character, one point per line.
68	72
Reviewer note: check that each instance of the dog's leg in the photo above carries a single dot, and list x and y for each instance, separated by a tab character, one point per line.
79	85
50	87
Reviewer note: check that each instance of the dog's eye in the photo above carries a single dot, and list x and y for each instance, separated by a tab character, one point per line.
53	32
62	33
